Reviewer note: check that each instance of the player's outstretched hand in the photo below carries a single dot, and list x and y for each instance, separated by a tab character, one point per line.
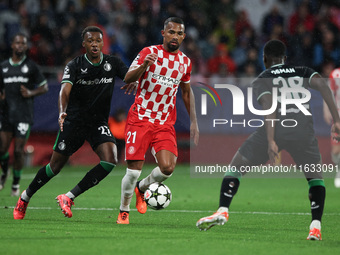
130	88
61	120
273	152
25	92
335	130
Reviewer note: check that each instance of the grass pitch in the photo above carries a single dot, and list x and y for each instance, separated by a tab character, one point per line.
268	216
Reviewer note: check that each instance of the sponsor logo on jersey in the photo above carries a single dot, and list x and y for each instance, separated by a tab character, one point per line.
166	81
16	79
107	66
96	81
5	70
83	71
24	69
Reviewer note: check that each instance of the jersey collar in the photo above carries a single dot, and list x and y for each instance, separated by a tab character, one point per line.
17	64
95	64
277	65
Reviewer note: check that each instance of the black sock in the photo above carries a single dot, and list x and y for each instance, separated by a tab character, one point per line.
4	164
317	196
16	181
92	178
41	178
229	188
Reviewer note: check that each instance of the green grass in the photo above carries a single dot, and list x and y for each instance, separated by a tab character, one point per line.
268	216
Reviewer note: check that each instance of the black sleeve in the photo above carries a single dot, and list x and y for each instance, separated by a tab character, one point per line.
121	68
69	73
309	74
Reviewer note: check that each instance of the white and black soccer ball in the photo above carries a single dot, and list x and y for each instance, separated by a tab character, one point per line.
157	196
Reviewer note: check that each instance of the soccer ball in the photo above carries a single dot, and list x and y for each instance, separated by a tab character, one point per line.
157	196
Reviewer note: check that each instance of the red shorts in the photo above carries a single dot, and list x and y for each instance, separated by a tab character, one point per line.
142	135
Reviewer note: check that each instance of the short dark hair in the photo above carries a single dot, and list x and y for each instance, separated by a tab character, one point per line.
274	48
173	19
19	34
90	29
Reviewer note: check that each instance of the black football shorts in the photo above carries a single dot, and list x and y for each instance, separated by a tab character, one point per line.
18	129
75	134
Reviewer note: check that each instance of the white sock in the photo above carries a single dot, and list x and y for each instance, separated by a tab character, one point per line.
315	224
70	195
155	176
25	197
223	209
128	185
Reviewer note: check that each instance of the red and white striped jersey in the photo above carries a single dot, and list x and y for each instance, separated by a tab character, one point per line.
155	99
334	84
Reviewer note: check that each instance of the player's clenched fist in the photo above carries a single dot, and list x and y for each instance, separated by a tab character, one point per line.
150	59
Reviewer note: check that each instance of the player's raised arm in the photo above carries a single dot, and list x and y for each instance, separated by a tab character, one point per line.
64	96
136	71
189	102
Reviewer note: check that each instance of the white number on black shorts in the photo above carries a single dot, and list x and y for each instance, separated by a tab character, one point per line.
105	130
129	134
23	127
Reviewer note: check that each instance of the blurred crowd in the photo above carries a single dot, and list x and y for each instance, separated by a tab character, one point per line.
224	37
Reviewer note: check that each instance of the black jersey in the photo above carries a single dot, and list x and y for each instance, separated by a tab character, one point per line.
286	76
26	72
92	87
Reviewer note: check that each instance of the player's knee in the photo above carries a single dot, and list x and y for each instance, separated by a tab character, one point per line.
167	169
109	157
112	160
56	167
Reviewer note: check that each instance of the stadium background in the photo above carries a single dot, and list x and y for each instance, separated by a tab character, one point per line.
224	41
